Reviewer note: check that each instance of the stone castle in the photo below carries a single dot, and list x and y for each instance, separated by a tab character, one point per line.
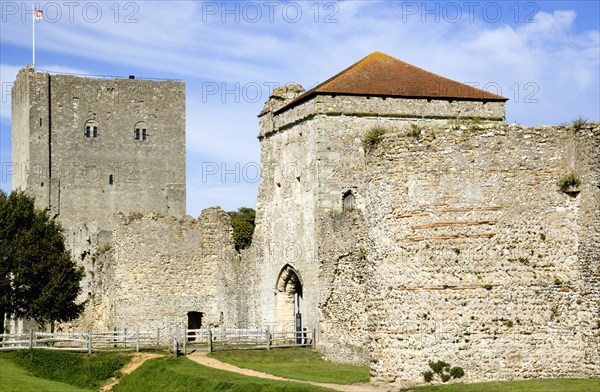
398	216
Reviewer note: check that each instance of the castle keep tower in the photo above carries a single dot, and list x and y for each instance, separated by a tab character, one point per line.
313	163
88	147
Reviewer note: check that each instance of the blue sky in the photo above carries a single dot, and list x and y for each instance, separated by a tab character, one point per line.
544	56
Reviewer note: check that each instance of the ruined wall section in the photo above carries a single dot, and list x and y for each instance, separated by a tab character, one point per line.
477	254
159	268
586	166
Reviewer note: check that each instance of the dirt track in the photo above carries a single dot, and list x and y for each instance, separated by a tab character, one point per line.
137	359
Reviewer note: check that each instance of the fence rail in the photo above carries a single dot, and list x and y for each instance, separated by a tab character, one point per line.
80	341
180	339
224	339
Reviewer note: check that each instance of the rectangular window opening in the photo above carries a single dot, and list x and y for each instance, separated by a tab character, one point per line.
87	131
110	179
143	134
136	134
95	131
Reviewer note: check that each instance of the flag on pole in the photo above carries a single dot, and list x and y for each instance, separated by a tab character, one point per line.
38	14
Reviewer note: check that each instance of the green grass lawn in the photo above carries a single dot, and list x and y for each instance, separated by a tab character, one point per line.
296	363
182	375
540	385
16	379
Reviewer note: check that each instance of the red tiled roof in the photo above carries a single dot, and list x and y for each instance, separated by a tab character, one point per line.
381	75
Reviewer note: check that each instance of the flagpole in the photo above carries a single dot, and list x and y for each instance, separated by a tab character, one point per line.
33	36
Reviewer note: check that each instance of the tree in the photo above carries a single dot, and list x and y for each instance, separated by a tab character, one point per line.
242	221
38	278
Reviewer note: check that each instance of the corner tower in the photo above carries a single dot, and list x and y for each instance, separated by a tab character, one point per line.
88	147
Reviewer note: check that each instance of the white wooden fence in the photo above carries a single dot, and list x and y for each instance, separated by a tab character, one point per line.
223	339
81	341
181	339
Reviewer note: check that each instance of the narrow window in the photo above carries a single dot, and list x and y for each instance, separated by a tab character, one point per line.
140	131
348	201
91	129
110	179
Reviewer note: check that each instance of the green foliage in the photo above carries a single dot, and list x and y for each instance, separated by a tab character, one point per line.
242	221
414	131
428	376
373	138
297	363
439	366
443	370
457	372
38	279
81	370
169	374
579	122
568	181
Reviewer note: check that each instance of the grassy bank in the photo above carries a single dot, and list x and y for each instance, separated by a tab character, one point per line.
16	379
540	385
77	369
296	363
183	375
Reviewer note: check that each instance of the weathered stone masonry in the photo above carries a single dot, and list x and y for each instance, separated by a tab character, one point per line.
480	260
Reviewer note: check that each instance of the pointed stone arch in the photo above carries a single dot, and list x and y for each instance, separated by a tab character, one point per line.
288	301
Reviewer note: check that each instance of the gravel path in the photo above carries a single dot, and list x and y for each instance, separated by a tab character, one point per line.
202	359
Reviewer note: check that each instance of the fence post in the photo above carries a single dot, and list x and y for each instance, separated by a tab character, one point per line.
210	346
89	342
125	336
31	338
268	339
314	339
175	348
185	333
157	336
137	340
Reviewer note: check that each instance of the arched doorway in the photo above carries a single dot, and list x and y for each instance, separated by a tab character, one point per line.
288	292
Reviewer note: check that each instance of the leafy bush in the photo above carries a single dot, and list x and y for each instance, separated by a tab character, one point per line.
243	224
428	376
579	122
457	372
569	181
439	366
373	138
443	370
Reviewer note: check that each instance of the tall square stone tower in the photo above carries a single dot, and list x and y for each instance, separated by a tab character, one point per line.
88	147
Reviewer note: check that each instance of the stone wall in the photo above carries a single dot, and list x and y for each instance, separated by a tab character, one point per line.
156	269
478	255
